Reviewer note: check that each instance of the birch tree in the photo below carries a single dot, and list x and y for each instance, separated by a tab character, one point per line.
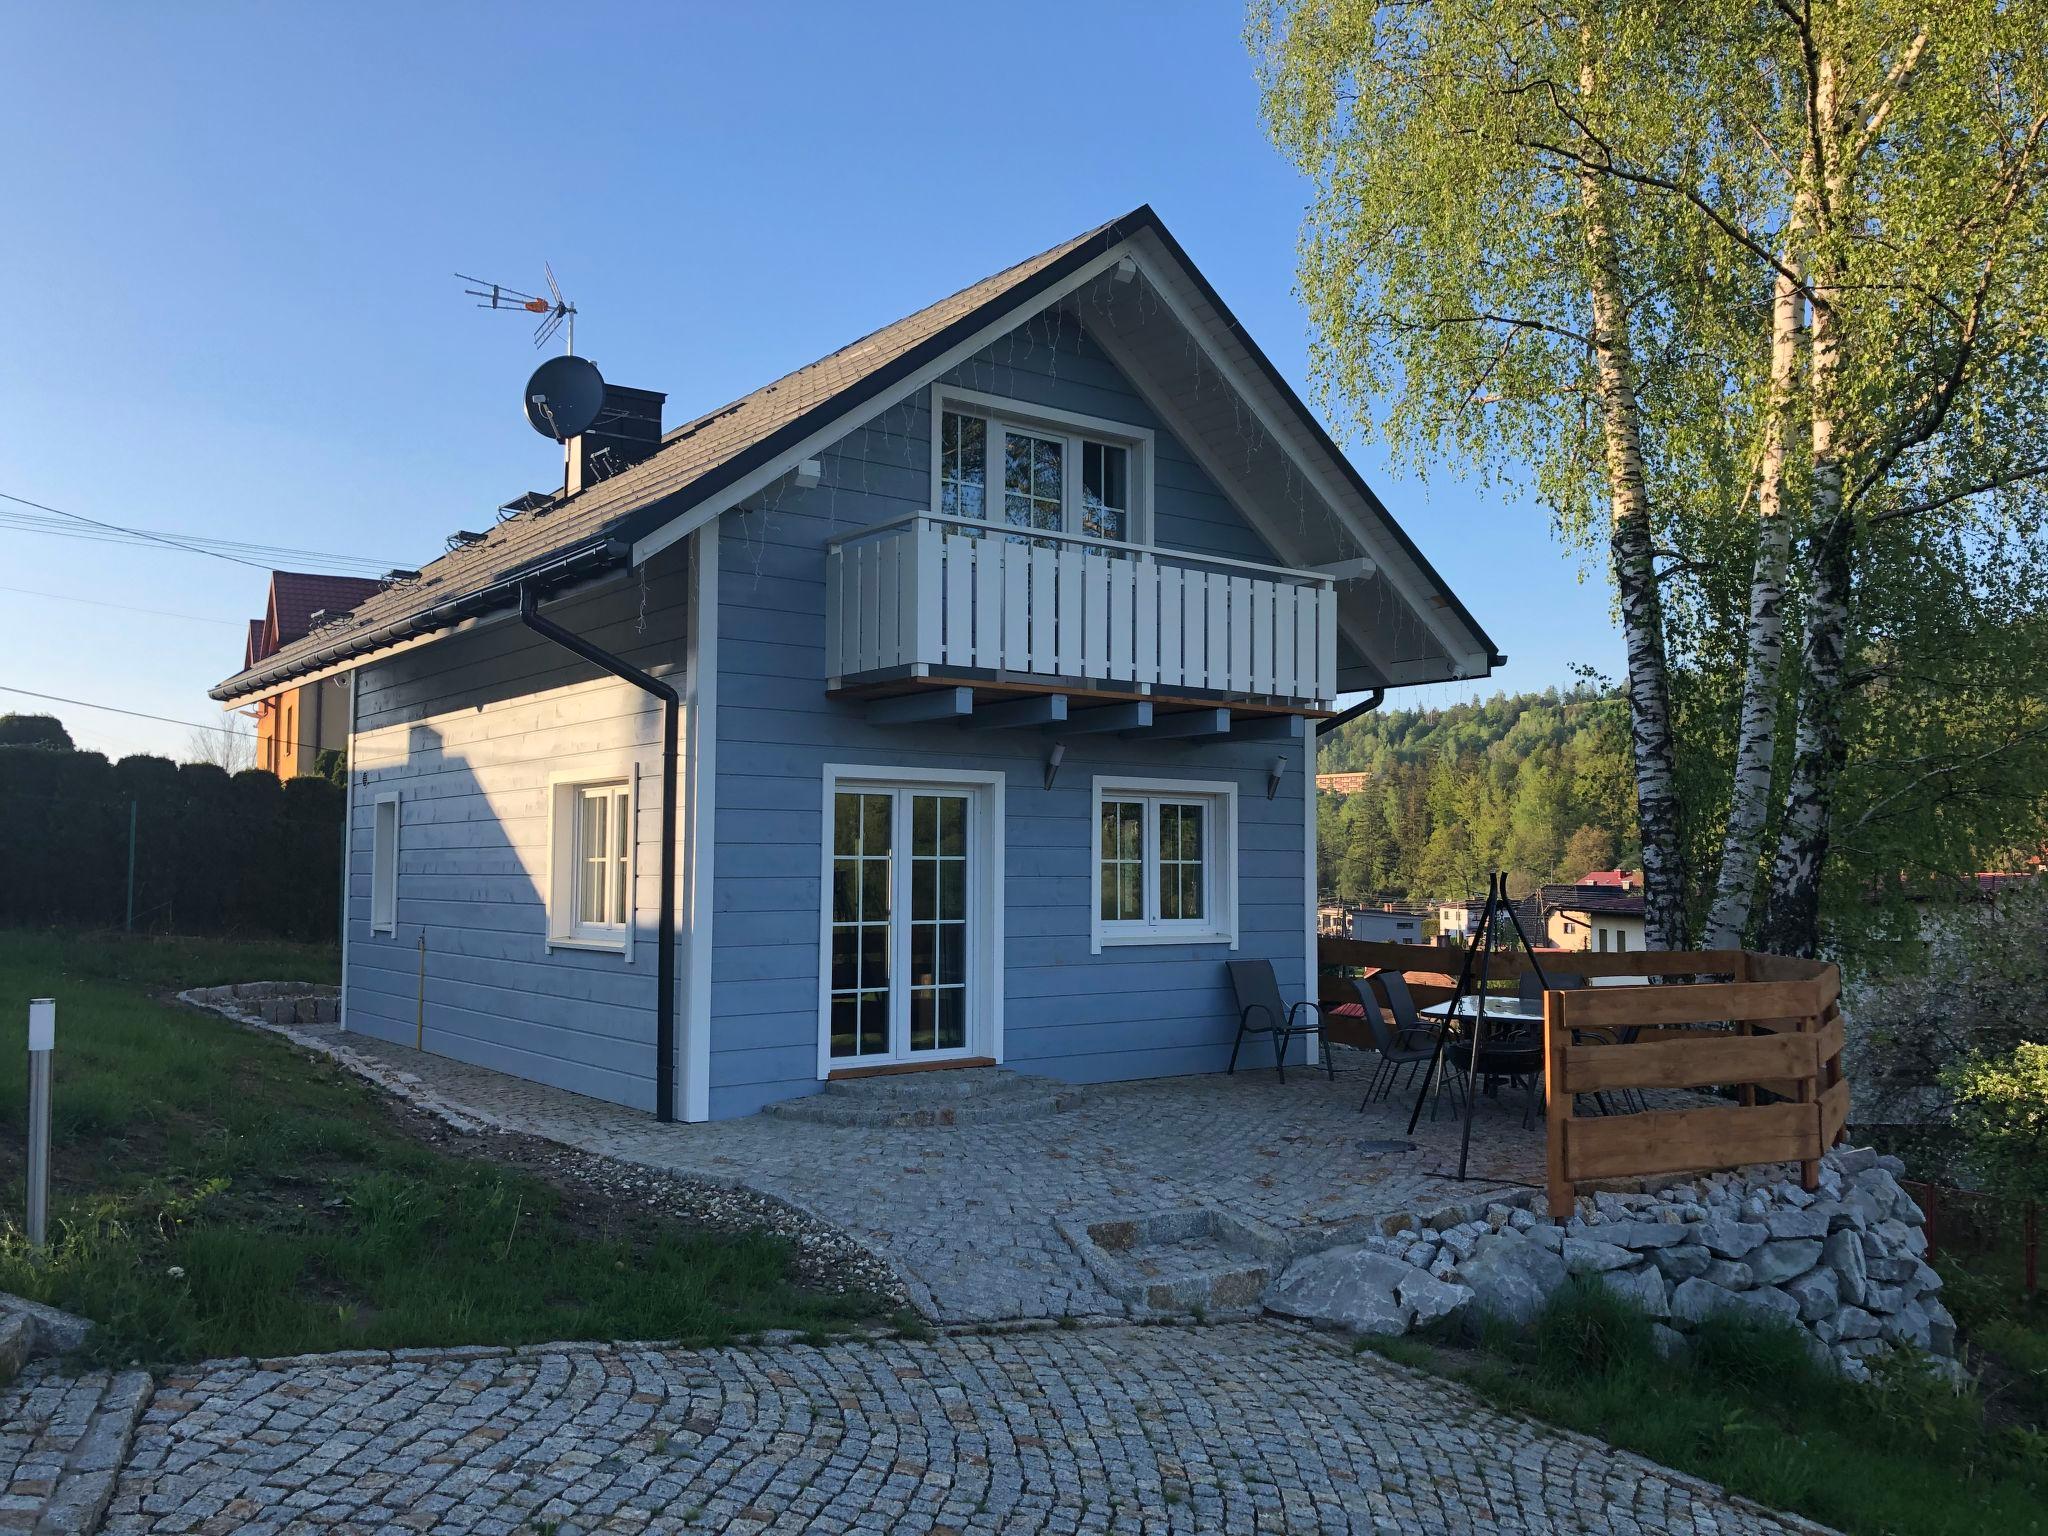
1926	284
1470	255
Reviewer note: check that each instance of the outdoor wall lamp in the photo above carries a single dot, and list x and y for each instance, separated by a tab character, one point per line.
1274	775
1053	759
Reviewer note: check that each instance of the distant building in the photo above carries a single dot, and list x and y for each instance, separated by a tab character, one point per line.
1617	879
1598	917
1341	783
294	727
1387	924
1456	921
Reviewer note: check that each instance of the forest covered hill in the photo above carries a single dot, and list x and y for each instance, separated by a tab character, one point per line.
1537	784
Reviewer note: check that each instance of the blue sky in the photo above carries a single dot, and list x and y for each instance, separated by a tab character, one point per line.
232	228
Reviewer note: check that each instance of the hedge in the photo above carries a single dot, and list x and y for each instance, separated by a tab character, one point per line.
244	855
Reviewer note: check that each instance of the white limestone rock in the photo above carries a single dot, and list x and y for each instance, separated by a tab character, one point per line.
1511	1278
1586	1256
1781	1260
1429	1299
1683	1262
1352	1288
1643	1286
1791	1223
1729	1275
1645	1234
1817	1293
1843	1253
1733	1239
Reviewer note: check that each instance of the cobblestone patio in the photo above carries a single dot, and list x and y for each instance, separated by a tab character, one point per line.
968	1214
1239	1428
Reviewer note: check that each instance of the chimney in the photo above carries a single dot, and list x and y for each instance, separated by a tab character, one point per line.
627	430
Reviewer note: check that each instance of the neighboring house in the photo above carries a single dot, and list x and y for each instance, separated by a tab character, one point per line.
295	725
1456	921
1615	879
1385	923
1597	916
941	796
1342	783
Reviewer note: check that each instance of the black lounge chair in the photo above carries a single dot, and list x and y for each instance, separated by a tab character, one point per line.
1261	1012
1408	1042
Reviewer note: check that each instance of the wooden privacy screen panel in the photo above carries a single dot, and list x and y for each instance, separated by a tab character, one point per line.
1783	1036
1774	1027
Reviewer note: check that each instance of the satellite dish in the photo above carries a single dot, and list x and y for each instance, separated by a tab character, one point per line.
564	396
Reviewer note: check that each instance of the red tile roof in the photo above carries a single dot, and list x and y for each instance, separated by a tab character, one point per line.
295	596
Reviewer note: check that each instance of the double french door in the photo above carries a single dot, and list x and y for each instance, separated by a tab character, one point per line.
901	924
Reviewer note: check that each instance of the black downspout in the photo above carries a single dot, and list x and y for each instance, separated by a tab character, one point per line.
1364	706
665	963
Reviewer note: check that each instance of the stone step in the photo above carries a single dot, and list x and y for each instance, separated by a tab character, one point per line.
1194	1259
957	1097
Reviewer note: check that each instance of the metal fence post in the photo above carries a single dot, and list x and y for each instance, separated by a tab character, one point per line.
42	1039
129	925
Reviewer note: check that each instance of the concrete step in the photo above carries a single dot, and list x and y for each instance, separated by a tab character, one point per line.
1182	1262
956	1097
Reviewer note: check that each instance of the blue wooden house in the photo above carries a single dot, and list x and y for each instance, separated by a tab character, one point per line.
952	699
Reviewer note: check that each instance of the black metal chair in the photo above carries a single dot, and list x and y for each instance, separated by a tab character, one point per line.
1560	981
1568	981
1258	994
1408	1042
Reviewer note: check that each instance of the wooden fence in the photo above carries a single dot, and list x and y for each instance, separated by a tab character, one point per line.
1767	1027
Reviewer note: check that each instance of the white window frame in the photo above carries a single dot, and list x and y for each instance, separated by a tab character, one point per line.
384	870
564	865
985	902
1220	927
1073	427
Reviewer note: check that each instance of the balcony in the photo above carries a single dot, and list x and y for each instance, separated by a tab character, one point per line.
929	603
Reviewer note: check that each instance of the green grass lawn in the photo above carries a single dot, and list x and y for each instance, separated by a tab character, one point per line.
218	1192
1902	1456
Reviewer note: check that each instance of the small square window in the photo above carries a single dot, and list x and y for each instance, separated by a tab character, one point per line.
1165	863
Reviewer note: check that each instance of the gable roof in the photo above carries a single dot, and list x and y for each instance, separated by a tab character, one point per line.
1608	900
703	466
295	596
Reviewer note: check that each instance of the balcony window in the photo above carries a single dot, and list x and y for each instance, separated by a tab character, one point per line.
1054	471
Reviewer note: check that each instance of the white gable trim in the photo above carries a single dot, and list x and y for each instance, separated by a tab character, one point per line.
728	497
1394	562
1340	499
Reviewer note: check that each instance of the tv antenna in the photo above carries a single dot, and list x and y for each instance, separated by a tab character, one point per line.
556	312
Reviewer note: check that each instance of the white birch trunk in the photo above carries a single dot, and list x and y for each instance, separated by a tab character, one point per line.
1757	735
1819	748
1635	576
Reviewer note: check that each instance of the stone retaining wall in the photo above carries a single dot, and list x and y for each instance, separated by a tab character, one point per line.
272	1002
1846	1265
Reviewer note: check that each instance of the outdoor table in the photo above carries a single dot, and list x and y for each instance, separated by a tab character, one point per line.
1504	1007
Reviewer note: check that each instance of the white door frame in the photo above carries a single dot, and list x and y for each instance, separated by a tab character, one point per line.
985	825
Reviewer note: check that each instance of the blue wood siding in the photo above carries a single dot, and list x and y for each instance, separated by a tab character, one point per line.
468	731
1128	1012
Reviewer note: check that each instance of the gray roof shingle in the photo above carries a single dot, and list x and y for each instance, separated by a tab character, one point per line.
688	455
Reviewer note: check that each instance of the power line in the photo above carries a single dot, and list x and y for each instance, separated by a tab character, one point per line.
161	613
115	709
195	544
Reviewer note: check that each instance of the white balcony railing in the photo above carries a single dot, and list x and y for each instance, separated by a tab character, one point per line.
931	595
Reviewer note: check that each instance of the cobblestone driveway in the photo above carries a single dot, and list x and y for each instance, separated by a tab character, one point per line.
1238	1428
967	1213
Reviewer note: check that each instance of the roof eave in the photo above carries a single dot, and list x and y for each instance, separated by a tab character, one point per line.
546	575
